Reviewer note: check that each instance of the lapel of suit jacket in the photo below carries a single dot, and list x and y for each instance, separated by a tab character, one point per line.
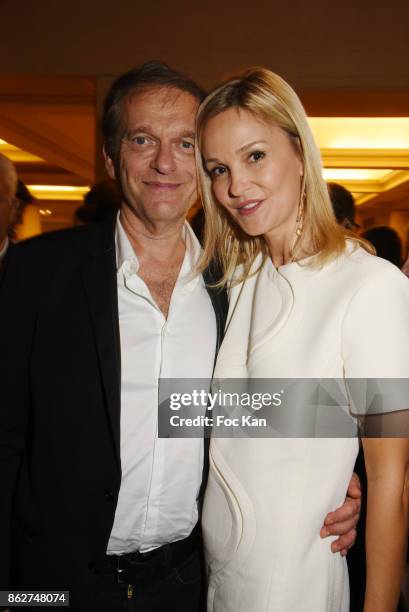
219	300
100	283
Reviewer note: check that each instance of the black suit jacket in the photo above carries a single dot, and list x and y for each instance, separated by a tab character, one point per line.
60	467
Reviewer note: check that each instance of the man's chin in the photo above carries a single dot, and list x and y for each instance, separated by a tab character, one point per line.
168	207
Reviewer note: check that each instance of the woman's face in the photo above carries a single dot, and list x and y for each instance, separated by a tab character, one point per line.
255	171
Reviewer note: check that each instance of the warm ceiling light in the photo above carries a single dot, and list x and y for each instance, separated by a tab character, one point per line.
361	132
55	188
352	174
58	192
17	155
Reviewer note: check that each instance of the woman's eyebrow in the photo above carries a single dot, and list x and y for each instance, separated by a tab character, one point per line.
210	160
240	150
250	144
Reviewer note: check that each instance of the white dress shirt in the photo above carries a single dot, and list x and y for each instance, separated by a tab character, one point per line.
161	477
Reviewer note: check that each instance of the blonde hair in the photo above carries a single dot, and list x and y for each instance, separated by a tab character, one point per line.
268	97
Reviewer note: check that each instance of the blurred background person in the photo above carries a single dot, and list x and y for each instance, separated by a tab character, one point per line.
23	199
101	201
386	242
8	186
343	204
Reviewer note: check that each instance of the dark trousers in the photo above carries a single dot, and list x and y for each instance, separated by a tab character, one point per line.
154	585
169	578
179	588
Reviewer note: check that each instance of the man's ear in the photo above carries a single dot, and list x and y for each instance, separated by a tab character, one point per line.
109	164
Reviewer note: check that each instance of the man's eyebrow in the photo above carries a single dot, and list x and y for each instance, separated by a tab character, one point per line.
139	128
145	129
188	134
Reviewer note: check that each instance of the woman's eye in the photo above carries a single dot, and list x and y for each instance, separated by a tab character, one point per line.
217	171
256	156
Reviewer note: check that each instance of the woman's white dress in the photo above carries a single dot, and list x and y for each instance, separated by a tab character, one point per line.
266	499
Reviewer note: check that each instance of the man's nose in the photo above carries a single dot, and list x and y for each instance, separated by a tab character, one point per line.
164	160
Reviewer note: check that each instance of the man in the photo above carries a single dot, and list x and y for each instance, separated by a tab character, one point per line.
343	204
95	502
8	186
101	201
23	199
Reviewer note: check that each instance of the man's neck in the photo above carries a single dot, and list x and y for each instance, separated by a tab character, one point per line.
160	257
163	242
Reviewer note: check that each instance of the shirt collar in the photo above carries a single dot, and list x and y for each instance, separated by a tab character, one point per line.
125	252
123	247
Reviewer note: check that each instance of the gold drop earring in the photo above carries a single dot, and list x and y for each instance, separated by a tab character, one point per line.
299	227
300	219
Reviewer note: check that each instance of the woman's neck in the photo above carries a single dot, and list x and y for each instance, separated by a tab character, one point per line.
285	249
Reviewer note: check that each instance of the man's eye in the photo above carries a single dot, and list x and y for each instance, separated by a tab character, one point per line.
137	140
256	156
187	145
140	140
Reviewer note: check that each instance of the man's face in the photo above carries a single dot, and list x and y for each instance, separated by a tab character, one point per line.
6	207
156	166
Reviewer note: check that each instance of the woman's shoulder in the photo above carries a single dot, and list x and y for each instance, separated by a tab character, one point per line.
375	282
363	266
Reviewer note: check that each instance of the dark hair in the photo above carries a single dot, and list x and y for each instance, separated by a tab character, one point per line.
386	242
23	194
149	75
101	201
343	205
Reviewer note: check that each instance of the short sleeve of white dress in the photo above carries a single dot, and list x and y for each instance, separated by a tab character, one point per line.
375	340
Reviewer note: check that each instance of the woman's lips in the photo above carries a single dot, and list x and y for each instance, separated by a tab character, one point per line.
249	207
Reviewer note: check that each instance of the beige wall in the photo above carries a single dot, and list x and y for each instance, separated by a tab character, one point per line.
358	44
343	58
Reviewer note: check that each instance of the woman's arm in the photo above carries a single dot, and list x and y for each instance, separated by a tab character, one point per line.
387	466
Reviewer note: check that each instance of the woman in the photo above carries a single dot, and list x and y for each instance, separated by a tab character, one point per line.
307	300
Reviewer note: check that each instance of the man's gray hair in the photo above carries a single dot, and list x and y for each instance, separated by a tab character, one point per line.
8	173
